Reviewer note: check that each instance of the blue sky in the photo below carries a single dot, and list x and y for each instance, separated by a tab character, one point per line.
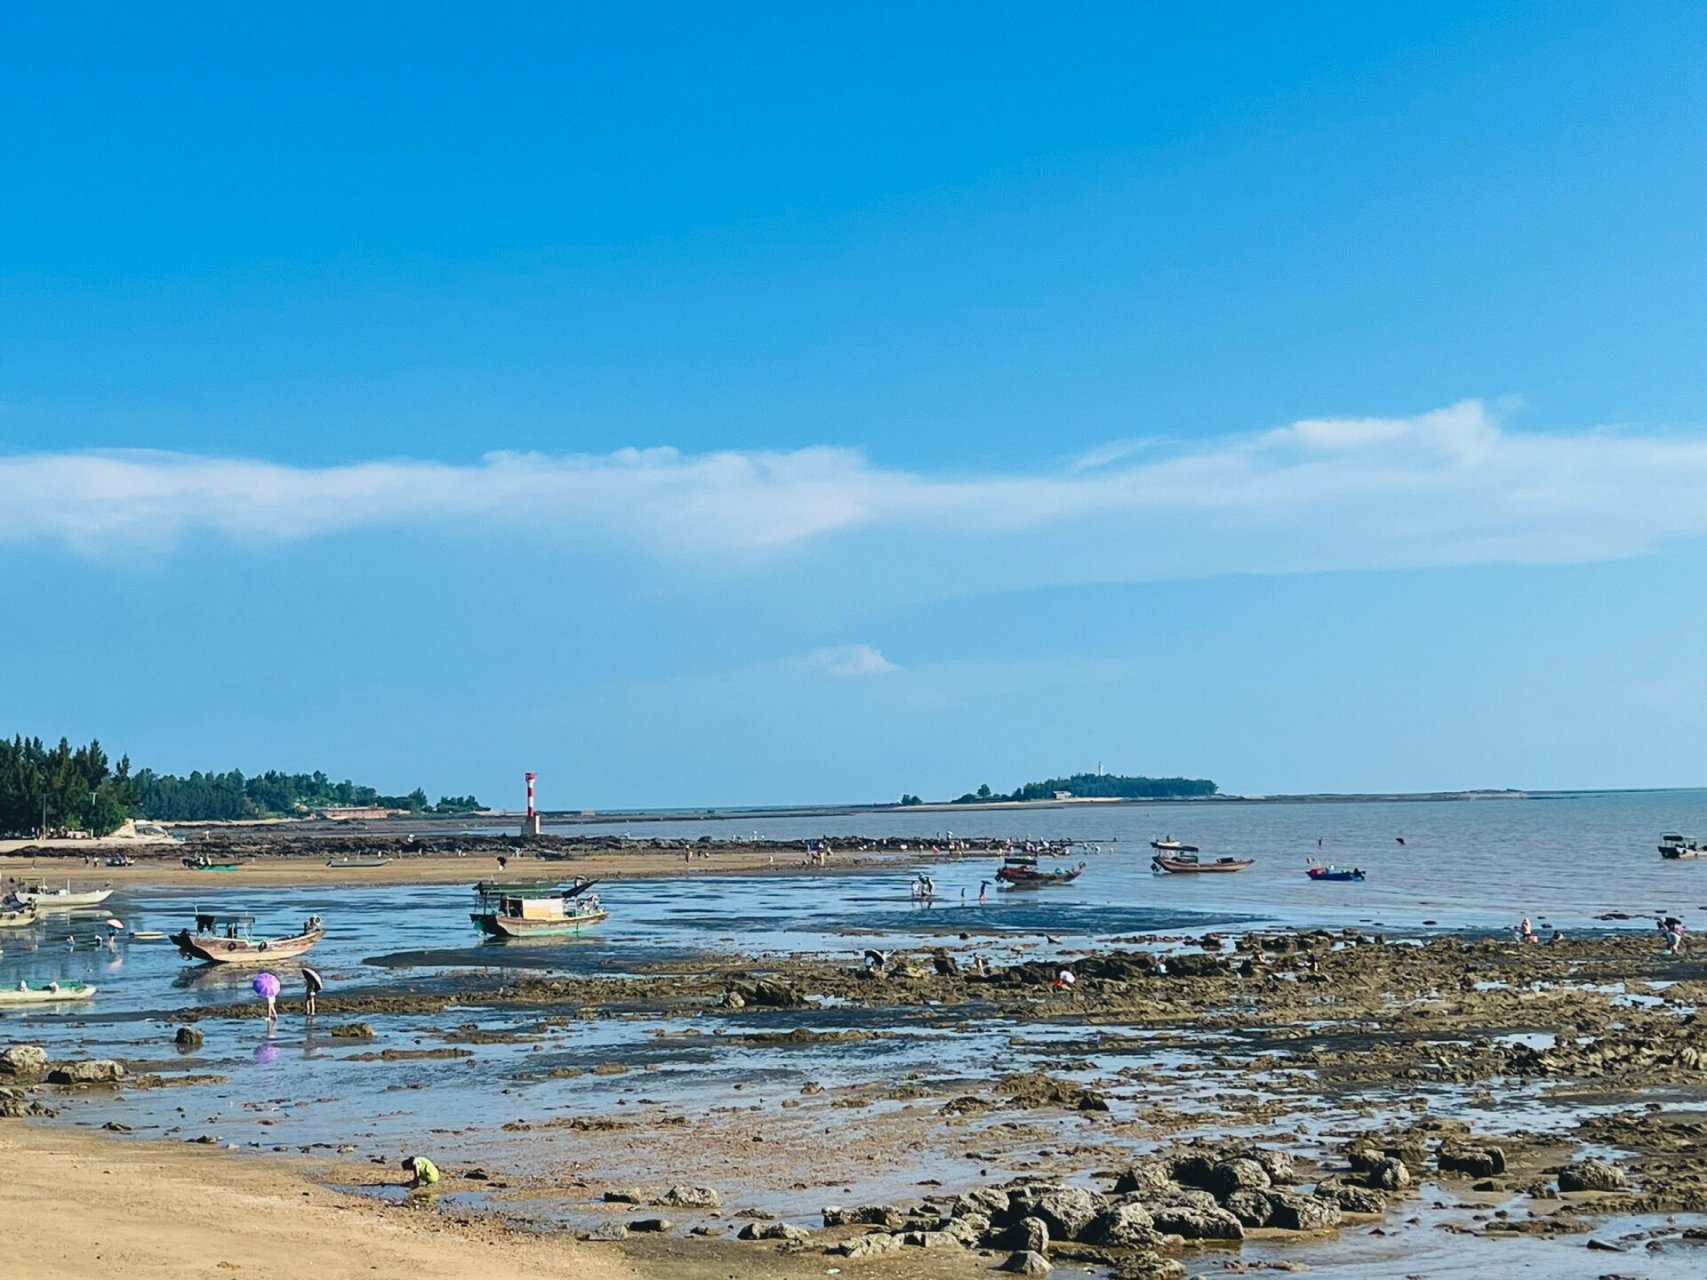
750	404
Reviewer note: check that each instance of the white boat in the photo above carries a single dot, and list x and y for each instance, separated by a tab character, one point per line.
45	899
230	940
17	917
1675	848
52	993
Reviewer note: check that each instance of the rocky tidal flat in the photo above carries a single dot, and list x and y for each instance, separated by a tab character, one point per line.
1265	1100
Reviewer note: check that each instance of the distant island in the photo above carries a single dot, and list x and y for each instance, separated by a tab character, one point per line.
1088	786
66	788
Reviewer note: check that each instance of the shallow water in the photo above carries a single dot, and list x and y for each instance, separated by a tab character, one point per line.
1465	865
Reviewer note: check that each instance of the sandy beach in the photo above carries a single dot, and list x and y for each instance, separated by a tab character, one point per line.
75	1205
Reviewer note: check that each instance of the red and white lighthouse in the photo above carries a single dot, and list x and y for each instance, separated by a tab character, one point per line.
530	825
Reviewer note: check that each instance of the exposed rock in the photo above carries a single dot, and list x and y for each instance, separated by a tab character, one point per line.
773	1231
1196	1222
1296	1212
767	993
1477	1162
1236	1175
24	1061
985	1200
1251	1208
1354	1199
1387	1173
1592	1175
1065	1210
1038	1089
1148	1266
1028	1235
1144	1177
353	1031
607	1231
889	1216
1125	1226
733	999
1027	1263
1279	1165
650	1225
868	1246
187	1038
686	1197
89	1071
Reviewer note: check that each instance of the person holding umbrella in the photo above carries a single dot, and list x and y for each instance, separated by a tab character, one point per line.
315	984
266	985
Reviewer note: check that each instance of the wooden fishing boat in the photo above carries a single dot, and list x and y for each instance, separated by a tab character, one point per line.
349	861
1676	848
52	993
1021	877
19	917
230	940
536	910
1318	872
1167	844
201	862
45	899
1191	864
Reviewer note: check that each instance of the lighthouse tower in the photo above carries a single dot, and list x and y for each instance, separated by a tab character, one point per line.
530	824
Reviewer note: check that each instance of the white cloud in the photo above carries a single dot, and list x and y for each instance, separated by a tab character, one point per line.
851	660
1445	487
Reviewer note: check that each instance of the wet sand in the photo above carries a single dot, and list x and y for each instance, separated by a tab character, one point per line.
79	1206
283	866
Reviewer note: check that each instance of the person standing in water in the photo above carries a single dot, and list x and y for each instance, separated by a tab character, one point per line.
315	984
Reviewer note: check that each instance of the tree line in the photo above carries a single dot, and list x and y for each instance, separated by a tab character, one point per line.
66	788
1098	786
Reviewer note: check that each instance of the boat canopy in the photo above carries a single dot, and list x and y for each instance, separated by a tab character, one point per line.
532	889
206	920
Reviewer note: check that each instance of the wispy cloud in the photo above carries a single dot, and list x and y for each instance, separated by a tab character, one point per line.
851	660
1446	487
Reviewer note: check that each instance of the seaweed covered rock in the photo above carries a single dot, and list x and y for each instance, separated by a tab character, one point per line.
1592	1175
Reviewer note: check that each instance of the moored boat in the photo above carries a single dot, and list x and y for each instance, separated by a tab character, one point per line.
1675	848
52	993
1190	863
19	917
1029	877
536	910
1316	871
347	861
44	899
229	939
201	862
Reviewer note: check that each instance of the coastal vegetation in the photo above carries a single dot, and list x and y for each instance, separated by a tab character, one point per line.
66	788
1097	786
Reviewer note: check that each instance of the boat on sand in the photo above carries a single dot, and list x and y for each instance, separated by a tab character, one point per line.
230	939
201	862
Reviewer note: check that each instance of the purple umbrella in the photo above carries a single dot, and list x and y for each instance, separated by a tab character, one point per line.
266	985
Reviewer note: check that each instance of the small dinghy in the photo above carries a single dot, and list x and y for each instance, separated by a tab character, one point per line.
52	993
1318	872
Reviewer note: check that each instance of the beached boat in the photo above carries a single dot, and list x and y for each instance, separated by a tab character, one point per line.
536	910
1029	877
45	899
221	939
18	917
121	860
1679	848
201	862
1167	844
348	861
1190	863
1318	872
52	993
